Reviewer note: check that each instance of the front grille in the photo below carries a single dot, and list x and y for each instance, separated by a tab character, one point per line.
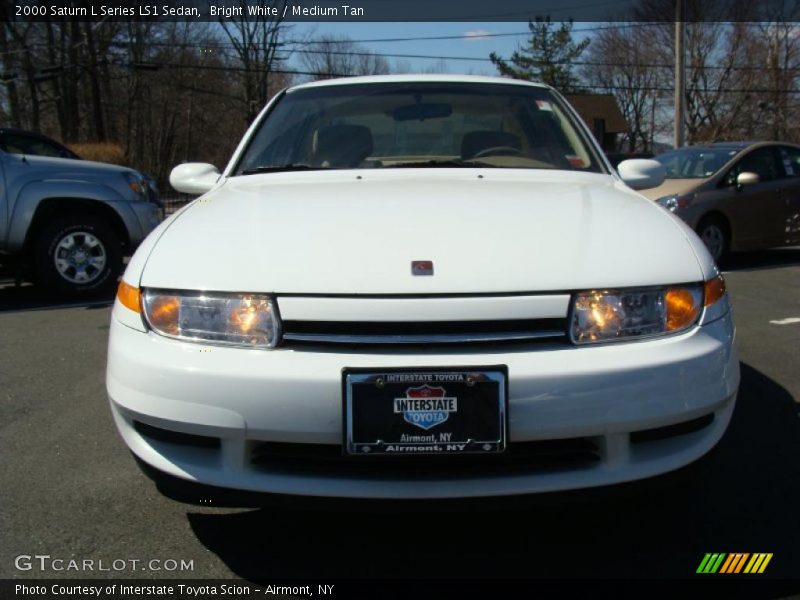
520	457
428	332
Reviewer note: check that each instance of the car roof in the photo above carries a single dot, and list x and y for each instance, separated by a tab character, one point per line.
417	79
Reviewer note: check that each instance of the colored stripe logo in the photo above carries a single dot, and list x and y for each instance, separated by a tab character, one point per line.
736	562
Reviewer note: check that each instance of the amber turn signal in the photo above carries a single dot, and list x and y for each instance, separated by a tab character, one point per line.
714	289
129	297
683	307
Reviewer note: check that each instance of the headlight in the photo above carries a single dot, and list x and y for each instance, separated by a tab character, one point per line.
248	320
137	182
674	202
619	315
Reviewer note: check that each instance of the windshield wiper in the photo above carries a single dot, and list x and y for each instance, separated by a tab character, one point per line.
440	163
408	165
281	168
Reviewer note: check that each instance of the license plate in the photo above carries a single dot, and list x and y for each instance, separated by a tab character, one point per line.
425	411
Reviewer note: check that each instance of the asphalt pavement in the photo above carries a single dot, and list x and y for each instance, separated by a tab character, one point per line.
69	489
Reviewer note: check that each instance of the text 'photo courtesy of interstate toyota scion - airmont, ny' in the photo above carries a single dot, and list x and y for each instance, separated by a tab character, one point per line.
418	287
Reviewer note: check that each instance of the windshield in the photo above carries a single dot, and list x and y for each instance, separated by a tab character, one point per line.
394	125
695	163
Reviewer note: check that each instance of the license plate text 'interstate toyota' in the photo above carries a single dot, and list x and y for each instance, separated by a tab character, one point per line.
426	412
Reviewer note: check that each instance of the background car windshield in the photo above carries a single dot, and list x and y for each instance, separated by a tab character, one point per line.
695	163
19	143
396	125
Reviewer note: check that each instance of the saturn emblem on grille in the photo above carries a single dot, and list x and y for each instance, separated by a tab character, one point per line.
422	267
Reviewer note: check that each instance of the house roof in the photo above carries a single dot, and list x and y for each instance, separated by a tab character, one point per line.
599	106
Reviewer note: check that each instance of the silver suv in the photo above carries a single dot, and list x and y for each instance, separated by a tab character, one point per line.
68	221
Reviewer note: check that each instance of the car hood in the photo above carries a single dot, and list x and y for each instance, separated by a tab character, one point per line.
673	186
356	232
66	168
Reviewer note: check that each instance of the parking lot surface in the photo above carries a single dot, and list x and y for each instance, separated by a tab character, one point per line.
69	488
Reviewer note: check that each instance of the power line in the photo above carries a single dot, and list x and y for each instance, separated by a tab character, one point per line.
583	86
302	42
156	65
646	88
483	35
327	51
367	53
614	25
391	40
488	60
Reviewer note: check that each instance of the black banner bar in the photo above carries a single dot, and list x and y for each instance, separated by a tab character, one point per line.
729	587
397	10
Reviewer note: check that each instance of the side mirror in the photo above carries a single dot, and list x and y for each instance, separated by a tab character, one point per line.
747	178
194	178
642	173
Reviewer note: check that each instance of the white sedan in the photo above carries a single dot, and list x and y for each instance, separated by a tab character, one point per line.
419	287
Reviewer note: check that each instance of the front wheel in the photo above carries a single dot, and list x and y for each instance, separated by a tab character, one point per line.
714	233
78	255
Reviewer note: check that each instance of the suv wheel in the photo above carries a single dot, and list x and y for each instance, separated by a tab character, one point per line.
714	233
78	255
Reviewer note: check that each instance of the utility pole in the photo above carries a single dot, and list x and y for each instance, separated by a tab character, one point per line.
680	74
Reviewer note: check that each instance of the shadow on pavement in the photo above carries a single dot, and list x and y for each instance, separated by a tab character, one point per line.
30	297
742	497
761	259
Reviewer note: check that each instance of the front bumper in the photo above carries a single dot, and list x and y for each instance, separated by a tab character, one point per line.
245	397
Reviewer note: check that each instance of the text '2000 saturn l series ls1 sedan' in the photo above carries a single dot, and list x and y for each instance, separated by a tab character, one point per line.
420	287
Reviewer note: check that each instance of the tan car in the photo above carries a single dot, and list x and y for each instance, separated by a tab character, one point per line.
736	195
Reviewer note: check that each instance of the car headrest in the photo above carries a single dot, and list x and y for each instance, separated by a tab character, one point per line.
476	141
343	145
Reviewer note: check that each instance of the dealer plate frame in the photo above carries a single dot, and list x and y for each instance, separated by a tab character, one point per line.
354	448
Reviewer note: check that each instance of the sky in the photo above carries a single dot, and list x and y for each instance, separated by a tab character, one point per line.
470	44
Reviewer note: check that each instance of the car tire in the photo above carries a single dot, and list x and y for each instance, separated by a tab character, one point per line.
78	255
715	235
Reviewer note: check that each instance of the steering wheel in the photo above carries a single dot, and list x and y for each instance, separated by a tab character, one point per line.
502	150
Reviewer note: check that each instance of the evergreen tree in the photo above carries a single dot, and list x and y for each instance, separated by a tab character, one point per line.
548	57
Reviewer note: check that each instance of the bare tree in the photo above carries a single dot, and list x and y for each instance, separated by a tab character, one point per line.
719	75
335	56
98	118
776	52
146	93
719	68
439	66
9	79
255	47
21	40
622	62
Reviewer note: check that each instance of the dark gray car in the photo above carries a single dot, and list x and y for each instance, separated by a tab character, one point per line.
736	195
